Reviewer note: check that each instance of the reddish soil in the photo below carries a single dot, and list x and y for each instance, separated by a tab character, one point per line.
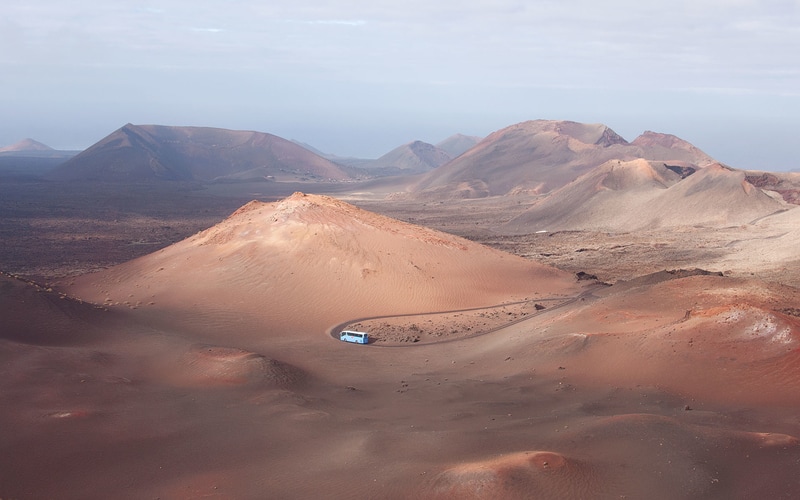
207	369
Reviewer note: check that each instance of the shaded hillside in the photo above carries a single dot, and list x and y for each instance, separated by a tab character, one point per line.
638	194
50	318
153	152
539	156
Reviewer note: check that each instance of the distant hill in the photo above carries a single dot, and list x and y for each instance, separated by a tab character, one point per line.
30	148
413	158
153	152
641	194
408	159
542	155
458	144
26	145
30	159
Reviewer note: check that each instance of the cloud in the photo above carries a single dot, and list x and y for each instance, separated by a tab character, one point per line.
555	41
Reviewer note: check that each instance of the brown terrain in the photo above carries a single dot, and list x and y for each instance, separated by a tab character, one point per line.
631	333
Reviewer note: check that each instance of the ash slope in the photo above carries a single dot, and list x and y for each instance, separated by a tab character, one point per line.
640	194
141	153
311	261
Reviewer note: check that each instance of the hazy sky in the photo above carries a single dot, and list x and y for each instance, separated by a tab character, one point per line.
360	77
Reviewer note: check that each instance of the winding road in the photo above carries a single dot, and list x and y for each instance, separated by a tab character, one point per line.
565	301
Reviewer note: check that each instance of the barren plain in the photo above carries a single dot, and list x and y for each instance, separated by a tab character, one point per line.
197	360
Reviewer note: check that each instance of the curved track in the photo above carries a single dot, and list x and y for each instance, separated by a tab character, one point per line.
335	329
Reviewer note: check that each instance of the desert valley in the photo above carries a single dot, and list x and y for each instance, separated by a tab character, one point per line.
553	312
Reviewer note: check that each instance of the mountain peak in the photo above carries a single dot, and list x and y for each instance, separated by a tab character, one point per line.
609	138
595	134
300	206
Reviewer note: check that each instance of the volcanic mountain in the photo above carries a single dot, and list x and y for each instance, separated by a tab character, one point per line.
542	155
309	261
640	194
153	152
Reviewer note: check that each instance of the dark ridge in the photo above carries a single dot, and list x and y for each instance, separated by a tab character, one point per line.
609	138
684	273
765	179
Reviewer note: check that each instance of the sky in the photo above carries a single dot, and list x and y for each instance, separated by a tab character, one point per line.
361	77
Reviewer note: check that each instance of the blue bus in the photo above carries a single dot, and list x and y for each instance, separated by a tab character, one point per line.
355	337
